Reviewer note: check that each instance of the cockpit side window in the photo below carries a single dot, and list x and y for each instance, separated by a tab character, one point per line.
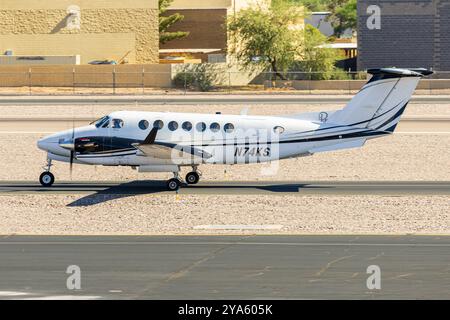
106	124
101	122
117	123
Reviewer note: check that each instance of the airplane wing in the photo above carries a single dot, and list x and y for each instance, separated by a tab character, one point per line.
164	150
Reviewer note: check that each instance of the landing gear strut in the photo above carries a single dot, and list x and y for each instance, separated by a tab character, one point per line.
47	178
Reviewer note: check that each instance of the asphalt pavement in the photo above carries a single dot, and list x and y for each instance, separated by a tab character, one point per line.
225	267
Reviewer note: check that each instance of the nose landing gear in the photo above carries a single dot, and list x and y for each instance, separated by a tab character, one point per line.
174	184
47	178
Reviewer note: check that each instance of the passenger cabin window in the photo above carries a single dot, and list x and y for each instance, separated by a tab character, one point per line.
158	124
143	124
173	125
214	127
228	128
187	126
117	123
278	129
201	126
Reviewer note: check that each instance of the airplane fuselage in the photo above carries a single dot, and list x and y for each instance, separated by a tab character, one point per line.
229	139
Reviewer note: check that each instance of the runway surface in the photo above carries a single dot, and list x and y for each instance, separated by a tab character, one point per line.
225	267
197	99
237	187
413	124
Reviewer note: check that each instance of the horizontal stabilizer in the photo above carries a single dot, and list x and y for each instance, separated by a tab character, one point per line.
338	146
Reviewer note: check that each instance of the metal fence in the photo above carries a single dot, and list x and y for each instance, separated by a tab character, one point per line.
147	83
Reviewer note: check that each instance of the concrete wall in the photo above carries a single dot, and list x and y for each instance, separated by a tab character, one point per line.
108	29
343	85
102	76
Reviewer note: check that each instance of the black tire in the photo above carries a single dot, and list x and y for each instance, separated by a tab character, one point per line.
192	178
46	179
173	184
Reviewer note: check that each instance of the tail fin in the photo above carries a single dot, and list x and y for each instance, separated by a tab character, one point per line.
382	100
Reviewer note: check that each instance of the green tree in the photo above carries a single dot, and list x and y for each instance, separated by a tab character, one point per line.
313	5
343	15
267	36
317	58
165	22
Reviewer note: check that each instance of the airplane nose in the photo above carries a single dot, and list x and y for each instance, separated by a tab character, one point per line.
52	144
43	144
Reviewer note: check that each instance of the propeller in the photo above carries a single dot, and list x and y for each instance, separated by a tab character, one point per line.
70	145
72	151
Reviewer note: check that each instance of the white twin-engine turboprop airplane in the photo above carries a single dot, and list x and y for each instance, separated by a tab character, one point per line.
163	142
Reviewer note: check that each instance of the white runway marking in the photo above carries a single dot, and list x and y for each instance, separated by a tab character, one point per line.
12	294
239	227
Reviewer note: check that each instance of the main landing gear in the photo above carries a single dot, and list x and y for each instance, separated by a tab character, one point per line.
175	183
192	177
47	178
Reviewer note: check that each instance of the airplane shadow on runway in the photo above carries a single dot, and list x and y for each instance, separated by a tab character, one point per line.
134	188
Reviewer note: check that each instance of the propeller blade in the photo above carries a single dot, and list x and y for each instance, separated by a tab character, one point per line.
72	152
71	162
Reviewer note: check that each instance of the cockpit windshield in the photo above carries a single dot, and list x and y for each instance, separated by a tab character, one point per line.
102	122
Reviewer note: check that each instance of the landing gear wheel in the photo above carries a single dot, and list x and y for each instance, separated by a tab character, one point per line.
47	179
173	184
192	178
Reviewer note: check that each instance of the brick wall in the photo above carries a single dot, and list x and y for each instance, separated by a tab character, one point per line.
206	29
414	33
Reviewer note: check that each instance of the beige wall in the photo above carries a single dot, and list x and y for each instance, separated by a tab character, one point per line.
109	29
86	4
88	46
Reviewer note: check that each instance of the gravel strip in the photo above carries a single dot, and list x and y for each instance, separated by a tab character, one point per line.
163	214
97	111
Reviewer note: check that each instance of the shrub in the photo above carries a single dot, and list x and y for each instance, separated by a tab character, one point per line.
339	74
199	76
184	79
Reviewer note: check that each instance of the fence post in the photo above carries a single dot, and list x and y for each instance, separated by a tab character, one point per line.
143	80
309	81
349	81
29	81
73	81
185	80
114	80
429	84
270	82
